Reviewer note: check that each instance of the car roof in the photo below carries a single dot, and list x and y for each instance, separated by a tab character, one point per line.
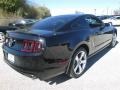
73	15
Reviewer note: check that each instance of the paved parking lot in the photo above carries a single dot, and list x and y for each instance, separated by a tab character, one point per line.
103	73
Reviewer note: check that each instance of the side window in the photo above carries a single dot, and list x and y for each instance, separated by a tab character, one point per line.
93	22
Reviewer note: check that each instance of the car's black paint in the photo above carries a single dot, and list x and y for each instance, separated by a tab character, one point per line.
59	45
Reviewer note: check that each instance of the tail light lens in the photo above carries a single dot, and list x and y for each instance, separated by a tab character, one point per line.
32	46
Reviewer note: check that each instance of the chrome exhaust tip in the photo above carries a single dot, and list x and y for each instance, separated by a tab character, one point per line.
33	77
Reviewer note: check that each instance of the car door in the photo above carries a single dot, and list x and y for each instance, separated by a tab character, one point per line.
98	32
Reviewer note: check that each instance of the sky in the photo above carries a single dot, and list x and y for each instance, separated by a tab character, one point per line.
59	7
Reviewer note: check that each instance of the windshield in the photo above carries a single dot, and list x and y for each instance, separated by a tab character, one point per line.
52	23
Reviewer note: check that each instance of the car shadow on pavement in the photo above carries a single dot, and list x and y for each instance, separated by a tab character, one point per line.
58	79
91	61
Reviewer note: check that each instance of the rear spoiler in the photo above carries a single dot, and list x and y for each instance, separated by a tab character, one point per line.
22	35
4	29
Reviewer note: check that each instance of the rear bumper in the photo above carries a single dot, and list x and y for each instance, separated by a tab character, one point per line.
35	65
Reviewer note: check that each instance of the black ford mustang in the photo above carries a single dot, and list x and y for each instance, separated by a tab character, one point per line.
56	45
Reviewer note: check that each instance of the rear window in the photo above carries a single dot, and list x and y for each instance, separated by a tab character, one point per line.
52	23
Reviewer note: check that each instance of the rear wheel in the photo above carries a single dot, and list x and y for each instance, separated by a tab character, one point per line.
78	63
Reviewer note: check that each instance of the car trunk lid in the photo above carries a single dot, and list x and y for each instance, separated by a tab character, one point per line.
24	42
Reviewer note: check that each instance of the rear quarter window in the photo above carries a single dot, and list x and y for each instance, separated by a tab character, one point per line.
79	23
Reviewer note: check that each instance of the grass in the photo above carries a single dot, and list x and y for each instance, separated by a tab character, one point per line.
6	18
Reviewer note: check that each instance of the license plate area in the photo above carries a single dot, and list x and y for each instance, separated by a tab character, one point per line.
11	58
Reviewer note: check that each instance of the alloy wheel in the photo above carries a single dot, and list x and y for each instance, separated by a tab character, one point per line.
114	40
80	62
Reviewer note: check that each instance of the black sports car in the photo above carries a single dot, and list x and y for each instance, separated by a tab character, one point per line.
56	45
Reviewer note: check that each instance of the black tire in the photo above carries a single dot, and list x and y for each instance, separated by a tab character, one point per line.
78	57
114	40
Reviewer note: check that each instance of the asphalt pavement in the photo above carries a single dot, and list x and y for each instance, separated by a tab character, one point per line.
103	73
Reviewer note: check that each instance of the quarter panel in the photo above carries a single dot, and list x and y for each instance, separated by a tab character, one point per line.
60	46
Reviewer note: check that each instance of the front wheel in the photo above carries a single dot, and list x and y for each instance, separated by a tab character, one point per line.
114	40
78	63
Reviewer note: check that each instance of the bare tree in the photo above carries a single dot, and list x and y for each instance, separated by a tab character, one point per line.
117	12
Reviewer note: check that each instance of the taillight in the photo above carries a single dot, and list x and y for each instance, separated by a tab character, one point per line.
32	46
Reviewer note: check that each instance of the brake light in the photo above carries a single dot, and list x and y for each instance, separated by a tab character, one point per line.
31	46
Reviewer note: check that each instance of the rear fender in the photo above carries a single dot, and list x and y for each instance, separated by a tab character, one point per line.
75	48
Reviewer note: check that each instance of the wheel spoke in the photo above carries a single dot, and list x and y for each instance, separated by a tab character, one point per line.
77	58
83	58
82	55
78	69
83	65
75	69
83	61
